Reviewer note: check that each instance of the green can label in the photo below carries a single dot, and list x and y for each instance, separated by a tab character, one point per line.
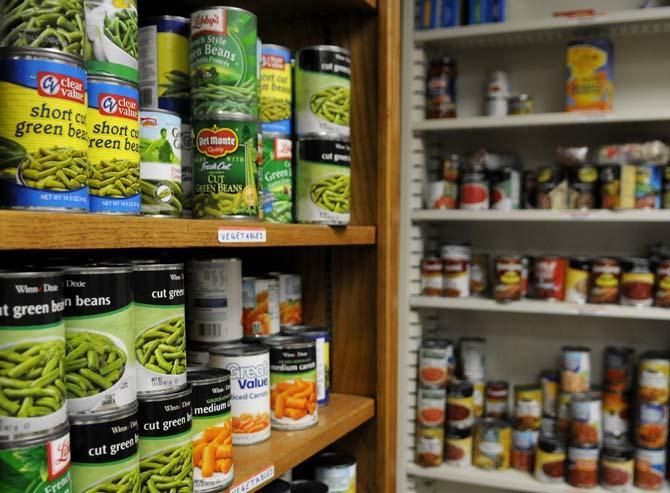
187	169
225	154
224	75
276	179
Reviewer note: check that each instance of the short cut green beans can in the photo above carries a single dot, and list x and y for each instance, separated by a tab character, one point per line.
160	340
276	178
323	180
32	374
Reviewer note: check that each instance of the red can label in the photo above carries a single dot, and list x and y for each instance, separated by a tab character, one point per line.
474	192
550	278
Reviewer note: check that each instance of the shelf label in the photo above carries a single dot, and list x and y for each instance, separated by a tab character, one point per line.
255	481
228	234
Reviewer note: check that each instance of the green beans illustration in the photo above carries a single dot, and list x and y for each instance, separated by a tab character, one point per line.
115	178
178	86
274	109
32	378
57	168
121	29
25	470
212	97
11	155
280	212
93	363
169	471
331	104
162	348
332	193
126	482
163	196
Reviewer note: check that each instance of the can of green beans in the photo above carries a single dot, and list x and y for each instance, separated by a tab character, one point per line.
276	89
224	74
37	464
323	187
186	169
225	166
100	332
104	448
276	178
32	387
160	340
322	90
160	162
43	135
114	145
212	429
165	422
111	29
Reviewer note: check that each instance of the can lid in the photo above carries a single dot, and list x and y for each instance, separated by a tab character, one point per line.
527	387
37	273
205	261
50	54
224	115
334	459
551	443
100	269
240	349
277	486
223	8
549	375
307	330
458	433
463	387
283	341
619	350
204	375
140	267
104	416
36	438
183	391
655	355
150	21
492	423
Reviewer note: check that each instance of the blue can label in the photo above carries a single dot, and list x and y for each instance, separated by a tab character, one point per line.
275	90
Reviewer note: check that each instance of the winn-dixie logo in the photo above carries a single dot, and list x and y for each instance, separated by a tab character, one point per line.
114	105
275	62
217	142
209	21
60	86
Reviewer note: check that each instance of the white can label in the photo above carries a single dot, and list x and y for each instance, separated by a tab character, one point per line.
338	479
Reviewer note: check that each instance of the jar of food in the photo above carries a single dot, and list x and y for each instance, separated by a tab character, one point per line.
616	416
460	404
650	465
549	279
576	369
436	362
604	285
663	281
582	186
551	188
619	368
617	468
429	446
507	278
637	282
651	430
521	104
549	381
459	447
586	419
523	449
582	466
492	444
497	395
527	406
456	260
654	376
479	275
550	459
432	280
577	280
431	405
441	88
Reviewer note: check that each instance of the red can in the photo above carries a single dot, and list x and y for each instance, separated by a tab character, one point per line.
549	278
663	283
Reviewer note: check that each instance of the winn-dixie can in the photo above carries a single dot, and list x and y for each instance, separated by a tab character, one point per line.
212	429
165	422
322	90
111	29
276	89
223	60
225	155
160	337
260	306
99	338
214	299
43	135
114	146
276	178
160	163
293	396
105	454
321	337
37	464
31	353
336	470
186	169
249	367
290	298
323	180
164	65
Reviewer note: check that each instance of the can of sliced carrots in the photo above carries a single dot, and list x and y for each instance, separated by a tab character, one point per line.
260	305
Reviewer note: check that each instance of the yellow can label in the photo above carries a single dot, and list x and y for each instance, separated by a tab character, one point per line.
275	89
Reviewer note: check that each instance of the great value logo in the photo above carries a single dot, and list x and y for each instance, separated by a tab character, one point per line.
53	85
119	106
217	142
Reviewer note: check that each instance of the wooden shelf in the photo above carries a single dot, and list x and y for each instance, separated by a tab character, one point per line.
286	449
61	231
536	215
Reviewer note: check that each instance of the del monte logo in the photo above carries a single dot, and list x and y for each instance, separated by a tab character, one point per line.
217	142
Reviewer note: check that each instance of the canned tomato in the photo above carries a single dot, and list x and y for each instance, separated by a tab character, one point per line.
276	89
212	429
104	448
616	416
459	447
323	180
186	169
651	430
617	468
507	281
321	337
473	359
497	395
604	284
197	353
223	60
586	429
431	406
618	368
582	186
249	367
576	369
577	280
662	297
549	382
44	121
549	276
322	90
551	188
160	340
527	406
460	404
648	186
260	305
492	444
336	470
276	179
550	459
479	275
582	467
114	145
637	282
432	278
523	449
563	414
436	362
429	446
649	468
456	260
654	376
474	190
505	189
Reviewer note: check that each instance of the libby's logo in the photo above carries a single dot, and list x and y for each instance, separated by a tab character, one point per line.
209	22
120	106
52	85
148	121
217	142
274	62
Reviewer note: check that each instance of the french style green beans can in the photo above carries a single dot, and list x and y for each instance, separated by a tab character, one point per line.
224	74
32	346
99	340
160	340
276	178
276	89
43	135
225	166
187	169
323	90
160	162
166	461
111	29
105	455
323	186
39	464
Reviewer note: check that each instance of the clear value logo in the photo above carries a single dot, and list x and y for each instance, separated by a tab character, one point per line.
53	85
119	106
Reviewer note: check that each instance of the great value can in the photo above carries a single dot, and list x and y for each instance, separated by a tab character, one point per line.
276	89
276	179
336	470
186	169
32	349
160	337
105	454
260	305
160	163
321	337
323	90
43	135
113	146
223	54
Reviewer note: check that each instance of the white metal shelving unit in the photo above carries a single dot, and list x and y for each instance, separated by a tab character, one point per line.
524	338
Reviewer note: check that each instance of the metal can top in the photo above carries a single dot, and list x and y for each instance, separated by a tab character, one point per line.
204	375
223	8
312	330
259	278
275	46
105	269
323	136
460	388
492	423
328	48
104	416
620	452
436	343
334	459
146	109
182	391
111	79
150	21
549	375
199	346
580	263
37	438
50	54
157	267
288	342
458	433
225	115
206	261
11	274
240	350
551	443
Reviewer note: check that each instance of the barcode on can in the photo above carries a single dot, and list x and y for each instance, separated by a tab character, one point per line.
210	330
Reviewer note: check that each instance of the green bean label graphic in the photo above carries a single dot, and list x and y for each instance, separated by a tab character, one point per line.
224	76
323	187
111	29
275	89
105	453
32	335
186	169
276	179
322	91
100	332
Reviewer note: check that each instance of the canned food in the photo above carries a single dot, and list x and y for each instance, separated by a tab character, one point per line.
577	280
527	268
527	406
432	279
276	89
551	188
563	415
479	275
429	446
496	106
549	382
604	285
617	186
460	404
583	184
260	305
582	467
197	353
576	369
441	88
619	368
550	459
524	443
521	104
508	284
648	186
505	189
436	362
186	169
478	397
492	444
472	356
548	426
290	298
276	179
617	468
649	468
549	276
459	447
456	260
654	377
474	190
616	415
652	425
321	337
497	395
637	282
586	429
663	282
336	470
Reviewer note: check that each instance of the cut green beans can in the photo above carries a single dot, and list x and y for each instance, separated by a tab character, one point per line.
100	333
323	186
32	346
187	169
160	163
276	179
160	340
225	164
105	455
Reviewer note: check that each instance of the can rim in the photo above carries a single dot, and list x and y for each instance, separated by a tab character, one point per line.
182	391
287	341
314	330
213	260
334	459
329	48
112	79
103	269
48	54
240	350
9	274
215	375
36	438
224	7
104	416
224	115
157	267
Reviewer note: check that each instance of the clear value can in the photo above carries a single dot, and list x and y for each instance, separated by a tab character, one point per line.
186	169
43	135
336	470
321	337
260	305
290	298
276	89
276	178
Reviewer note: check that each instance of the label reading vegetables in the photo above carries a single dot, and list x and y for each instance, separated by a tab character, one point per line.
276	180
